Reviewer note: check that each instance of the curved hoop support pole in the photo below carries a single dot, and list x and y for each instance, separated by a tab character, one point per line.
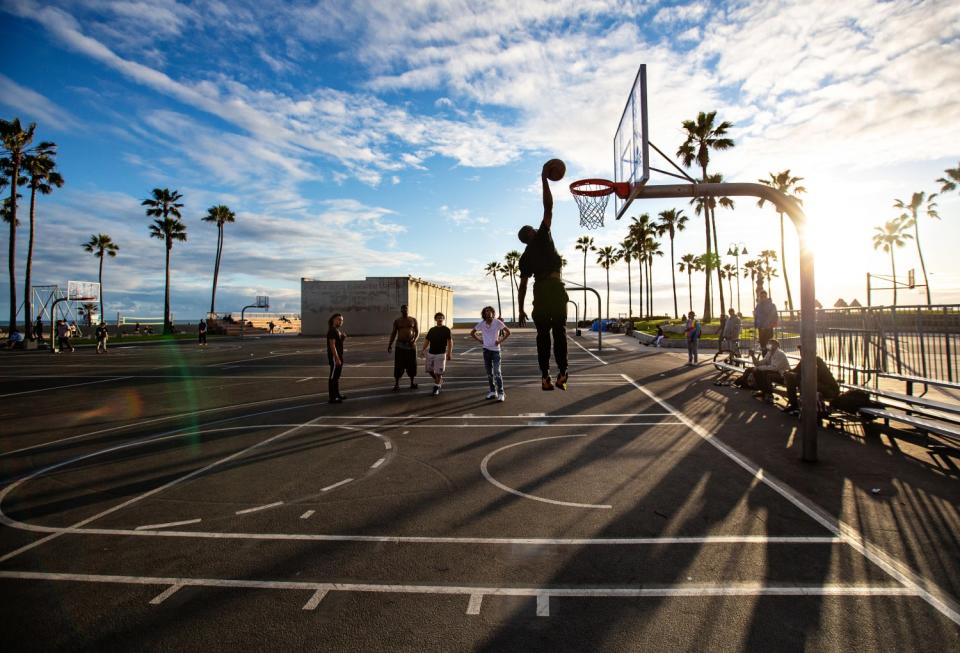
808	312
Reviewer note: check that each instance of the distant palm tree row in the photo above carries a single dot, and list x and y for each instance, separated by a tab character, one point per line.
25	164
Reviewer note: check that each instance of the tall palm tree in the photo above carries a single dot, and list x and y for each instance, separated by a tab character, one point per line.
730	271
703	135
492	270
39	167
219	215
606	257
15	142
707	206
950	180
511	268
98	245
689	263
918	201
672	221
891	235
164	206
626	253
766	269
750	270
641	230
651	249
789	186
585	245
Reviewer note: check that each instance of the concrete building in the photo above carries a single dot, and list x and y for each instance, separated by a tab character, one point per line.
370	306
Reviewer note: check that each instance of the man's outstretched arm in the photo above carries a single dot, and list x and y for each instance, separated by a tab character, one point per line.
547	198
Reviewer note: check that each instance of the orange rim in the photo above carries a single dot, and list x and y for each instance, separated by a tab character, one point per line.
580	187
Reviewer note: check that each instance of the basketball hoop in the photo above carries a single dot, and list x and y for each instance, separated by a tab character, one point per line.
592	196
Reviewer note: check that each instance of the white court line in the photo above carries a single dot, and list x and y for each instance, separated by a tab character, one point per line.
378	463
60	387
587	350
543	604
506	488
165	594
315	599
473	605
259	508
305	379
147	527
252	358
308	514
923	587
335	485
685	590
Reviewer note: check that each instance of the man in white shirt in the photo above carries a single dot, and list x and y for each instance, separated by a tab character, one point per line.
493	333
770	369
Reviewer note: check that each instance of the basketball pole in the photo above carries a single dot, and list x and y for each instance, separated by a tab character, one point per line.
809	422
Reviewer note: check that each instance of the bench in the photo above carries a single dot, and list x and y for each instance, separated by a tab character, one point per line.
910	380
923	425
912	404
726	371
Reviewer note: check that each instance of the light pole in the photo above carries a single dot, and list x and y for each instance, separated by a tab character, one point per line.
736	249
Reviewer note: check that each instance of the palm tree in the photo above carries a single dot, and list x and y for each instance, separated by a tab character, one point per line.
511	268
789	186
220	215
43	178
672	221
766	269
950	180
707	206
641	231
162	206
585	245
750	270
730	271
888	237
651	249
15	142
689	264
606	257
910	220
702	135
626	253
493	269
98	245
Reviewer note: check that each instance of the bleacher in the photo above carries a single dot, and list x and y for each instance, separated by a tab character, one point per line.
257	324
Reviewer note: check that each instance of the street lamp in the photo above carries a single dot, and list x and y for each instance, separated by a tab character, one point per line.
736	249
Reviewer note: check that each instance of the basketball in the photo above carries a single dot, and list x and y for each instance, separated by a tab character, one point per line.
555	169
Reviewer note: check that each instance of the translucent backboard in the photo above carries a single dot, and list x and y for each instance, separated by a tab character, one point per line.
631	145
263	301
88	291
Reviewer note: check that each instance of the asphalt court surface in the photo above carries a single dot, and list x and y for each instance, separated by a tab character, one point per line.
190	497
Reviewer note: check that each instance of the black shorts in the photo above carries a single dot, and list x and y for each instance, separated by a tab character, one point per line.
405	360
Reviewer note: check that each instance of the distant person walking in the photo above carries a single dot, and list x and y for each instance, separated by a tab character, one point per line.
438	349
731	332
38	329
764	319
335	338
405	332
102	336
63	336
692	332
202	333
493	332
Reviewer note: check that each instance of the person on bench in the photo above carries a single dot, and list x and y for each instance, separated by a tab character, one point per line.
827	386
769	370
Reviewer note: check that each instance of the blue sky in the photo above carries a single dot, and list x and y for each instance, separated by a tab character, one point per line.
371	138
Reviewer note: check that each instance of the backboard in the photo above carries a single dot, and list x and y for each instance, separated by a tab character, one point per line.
263	301
631	144
86	291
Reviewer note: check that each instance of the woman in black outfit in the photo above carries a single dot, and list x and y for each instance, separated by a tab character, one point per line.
335	336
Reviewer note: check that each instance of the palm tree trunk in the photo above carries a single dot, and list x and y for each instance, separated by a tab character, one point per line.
100	281
642	287
706	224
583	313
600	328
650	286
27	281
12	247
513	305
730	288
893	268
690	287
783	265
497	284
673	279
167	323
716	246
216	268
923	266
753	288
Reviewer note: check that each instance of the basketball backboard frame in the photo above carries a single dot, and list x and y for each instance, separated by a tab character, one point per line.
83	291
631	144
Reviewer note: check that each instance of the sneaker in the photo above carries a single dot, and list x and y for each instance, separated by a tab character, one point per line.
562	381
502	397
491	395
436	390
546	384
338	400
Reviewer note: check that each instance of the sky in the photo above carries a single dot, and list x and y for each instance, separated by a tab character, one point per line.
362	138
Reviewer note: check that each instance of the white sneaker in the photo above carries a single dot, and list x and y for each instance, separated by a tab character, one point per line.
491	395
502	397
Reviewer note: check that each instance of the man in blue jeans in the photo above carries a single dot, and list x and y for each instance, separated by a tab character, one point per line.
493	333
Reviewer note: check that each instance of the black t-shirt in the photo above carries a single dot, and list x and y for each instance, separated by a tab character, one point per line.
101	333
202	327
438	337
337	336
541	256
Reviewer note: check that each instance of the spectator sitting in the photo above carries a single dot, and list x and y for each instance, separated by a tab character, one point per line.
15	340
768	370
827	386
659	337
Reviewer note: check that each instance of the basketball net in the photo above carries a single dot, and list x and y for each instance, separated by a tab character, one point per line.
592	196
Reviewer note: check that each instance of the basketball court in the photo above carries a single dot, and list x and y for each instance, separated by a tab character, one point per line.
203	495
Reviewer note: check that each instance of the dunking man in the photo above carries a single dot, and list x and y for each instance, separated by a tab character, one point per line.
542	261
405	332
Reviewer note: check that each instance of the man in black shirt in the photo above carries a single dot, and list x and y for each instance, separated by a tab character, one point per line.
542	261
335	336
438	349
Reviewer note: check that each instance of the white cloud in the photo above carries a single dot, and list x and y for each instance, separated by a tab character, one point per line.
34	106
